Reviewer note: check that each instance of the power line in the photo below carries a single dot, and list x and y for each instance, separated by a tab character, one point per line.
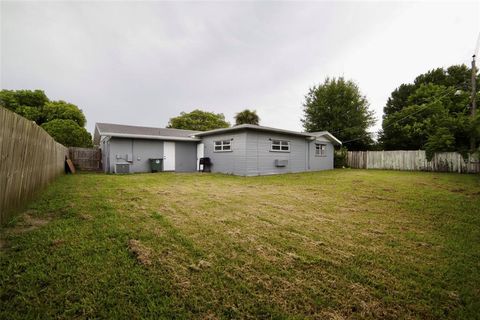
391	124
337	131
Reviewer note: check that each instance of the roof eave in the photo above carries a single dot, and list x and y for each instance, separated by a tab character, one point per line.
252	127
331	137
149	137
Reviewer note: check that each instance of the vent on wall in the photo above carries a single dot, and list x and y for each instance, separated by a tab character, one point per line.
122	168
281	163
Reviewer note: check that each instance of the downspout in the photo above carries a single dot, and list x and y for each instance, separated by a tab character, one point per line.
308	154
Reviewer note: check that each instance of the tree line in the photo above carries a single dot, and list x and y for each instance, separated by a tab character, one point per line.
432	113
64	121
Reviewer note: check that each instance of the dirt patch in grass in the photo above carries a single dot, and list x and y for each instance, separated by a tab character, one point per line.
57	243
28	222
86	217
200	265
141	252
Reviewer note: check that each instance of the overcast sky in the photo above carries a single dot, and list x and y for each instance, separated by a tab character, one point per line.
141	63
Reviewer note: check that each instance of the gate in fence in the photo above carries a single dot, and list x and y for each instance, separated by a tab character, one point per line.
87	159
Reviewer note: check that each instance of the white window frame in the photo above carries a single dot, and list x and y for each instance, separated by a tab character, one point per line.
223	146
278	145
320	150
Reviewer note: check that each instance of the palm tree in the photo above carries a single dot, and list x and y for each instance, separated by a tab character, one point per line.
247	117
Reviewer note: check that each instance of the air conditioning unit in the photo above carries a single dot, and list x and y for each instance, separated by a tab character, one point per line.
281	163
122	168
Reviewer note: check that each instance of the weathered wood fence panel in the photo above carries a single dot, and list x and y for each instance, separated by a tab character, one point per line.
29	160
413	161
88	159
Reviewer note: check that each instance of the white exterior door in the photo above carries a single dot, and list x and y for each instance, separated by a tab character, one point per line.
200	154
168	156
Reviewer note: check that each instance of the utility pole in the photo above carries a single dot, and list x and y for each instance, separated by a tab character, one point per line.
474	100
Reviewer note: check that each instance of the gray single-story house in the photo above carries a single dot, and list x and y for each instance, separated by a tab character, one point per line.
245	150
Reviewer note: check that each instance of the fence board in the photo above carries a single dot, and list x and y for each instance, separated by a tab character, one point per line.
29	160
413	160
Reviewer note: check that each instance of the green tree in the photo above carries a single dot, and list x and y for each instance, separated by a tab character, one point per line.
27	103
247	117
68	133
198	120
432	113
63	110
62	120
31	113
11	99
338	106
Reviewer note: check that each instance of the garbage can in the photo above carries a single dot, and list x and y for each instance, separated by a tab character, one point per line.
206	163
156	165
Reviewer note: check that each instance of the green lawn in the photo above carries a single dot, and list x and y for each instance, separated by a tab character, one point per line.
329	245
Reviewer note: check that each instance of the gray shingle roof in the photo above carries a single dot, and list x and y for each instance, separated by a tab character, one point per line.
124	131
149	131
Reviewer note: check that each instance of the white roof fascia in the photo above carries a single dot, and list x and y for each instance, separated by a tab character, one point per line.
143	136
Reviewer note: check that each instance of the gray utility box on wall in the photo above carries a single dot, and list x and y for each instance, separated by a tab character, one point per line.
122	168
281	163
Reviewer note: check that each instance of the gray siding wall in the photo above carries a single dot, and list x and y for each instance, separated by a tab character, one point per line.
185	156
140	151
143	150
260	159
320	163
119	148
227	162
251	154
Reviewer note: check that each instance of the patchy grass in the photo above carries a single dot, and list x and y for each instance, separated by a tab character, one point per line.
329	245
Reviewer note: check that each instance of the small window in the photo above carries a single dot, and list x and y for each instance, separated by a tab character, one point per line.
280	146
320	150
223	145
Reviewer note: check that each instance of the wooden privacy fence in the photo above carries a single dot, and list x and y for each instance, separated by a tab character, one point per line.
29	159
89	159
413	161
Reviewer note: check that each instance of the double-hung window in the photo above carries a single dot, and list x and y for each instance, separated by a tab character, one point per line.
280	146
223	146
320	150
